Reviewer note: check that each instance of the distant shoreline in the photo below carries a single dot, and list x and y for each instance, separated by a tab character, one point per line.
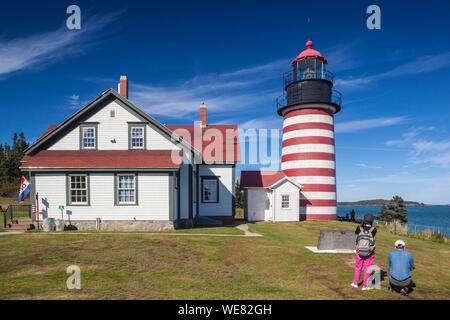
347	204
381	202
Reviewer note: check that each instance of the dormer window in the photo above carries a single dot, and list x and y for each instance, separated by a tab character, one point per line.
88	137
137	136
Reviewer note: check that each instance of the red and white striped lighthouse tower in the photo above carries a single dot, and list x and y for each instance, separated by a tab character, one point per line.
308	155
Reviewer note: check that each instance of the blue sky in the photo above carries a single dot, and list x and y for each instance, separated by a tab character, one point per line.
392	134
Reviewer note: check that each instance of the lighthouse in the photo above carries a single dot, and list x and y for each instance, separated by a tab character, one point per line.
308	107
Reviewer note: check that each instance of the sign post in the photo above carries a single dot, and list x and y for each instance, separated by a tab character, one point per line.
61	207
37	209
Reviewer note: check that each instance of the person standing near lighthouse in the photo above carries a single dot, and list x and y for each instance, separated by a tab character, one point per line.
308	154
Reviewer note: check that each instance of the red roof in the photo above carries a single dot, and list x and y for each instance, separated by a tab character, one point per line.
260	179
99	159
220	143
310	53
48	130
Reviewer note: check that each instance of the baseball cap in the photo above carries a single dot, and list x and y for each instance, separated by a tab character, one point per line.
400	243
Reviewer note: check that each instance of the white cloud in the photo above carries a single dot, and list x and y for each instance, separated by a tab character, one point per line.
409	136
401	178
358	125
262	123
424	150
440	159
423	146
367	166
423	64
431	152
74	100
341	57
352	83
41	49
231	92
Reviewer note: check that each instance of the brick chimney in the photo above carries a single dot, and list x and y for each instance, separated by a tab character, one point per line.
203	115
123	86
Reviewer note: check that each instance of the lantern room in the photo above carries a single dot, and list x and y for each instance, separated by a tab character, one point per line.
309	64
308	83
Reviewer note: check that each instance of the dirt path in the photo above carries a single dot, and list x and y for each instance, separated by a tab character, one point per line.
247	233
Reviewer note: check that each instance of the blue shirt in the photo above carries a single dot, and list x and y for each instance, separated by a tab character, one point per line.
400	264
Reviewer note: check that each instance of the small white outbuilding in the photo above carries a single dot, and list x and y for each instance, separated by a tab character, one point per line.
270	196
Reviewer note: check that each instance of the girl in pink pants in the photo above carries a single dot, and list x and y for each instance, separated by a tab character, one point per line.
365	251
366	263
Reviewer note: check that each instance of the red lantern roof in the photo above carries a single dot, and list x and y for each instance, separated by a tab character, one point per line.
310	53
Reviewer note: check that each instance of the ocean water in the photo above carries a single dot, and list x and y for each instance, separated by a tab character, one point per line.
436	218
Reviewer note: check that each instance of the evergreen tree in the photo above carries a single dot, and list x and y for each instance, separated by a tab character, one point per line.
2	163
239	195
395	210
10	158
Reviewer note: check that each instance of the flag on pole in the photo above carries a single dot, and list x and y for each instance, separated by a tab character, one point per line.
25	189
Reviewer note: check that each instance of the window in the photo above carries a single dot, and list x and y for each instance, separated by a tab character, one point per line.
78	190
285	204
126	189
136	135
210	190
137	138
88	137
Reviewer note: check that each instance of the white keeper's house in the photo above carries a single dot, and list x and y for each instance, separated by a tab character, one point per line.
112	161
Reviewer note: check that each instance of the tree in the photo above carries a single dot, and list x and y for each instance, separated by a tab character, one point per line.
239	195
394	210
10	157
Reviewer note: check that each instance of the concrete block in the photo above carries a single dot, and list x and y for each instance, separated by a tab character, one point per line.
337	240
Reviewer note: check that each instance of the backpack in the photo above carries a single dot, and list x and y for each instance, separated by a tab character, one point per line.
365	242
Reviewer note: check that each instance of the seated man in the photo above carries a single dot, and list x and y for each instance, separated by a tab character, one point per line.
401	263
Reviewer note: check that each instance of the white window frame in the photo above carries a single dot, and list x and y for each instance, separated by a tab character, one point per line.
118	189
217	189
284	201
83	137
142	128
70	189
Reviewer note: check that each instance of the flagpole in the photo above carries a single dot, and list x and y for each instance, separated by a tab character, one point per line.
36	199
37	209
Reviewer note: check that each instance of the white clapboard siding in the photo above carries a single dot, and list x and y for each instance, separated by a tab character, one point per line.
157	141
70	141
225	205
292	213
259	204
153	198
113	132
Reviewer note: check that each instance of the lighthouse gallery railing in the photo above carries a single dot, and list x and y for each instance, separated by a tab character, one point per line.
290	77
304	96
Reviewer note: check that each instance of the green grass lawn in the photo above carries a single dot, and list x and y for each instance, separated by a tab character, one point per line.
141	266
222	230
